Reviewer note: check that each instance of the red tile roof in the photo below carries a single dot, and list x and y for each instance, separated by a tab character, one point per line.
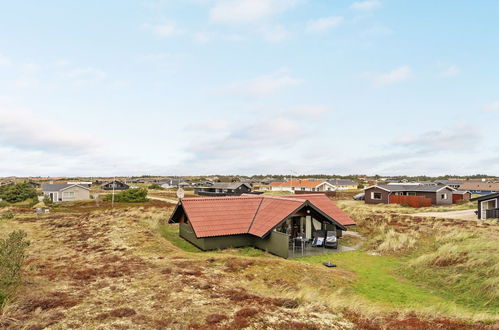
251	214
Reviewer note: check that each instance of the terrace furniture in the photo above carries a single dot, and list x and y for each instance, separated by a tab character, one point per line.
331	240
319	238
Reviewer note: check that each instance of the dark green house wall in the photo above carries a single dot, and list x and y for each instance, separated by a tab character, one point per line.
275	243
227	242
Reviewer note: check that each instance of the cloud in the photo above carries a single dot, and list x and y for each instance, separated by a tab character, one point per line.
164	30
366	5
247	11
323	24
395	76
262	86
494	106
274	33
85	75
21	129
459	139
450	71
311	111
4	61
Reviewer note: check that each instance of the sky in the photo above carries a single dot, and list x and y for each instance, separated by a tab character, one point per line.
199	87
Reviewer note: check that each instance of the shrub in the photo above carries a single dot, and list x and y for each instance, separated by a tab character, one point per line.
156	187
4	204
6	215
14	193
138	195
12	255
47	201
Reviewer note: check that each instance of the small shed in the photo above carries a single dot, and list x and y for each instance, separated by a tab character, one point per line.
488	206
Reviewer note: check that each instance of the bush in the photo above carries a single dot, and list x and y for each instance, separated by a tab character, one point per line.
4	204
14	193
47	201
156	186
6	215
138	195
12	255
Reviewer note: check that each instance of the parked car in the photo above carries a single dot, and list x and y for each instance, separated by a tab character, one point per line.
359	197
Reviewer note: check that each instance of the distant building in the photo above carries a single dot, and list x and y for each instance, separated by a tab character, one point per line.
302	185
456	184
224	189
116	185
480	187
343	184
380	194
64	192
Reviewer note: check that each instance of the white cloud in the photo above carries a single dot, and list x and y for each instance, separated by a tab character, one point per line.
450	71
311	111
84	75
456	139
494	106
323	24
398	75
21	129
4	61
366	5
274	33
262	86
247	11
164	30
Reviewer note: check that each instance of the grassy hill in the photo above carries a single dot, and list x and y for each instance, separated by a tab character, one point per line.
92	266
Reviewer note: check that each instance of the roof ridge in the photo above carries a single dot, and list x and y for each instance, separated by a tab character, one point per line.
286	198
219	198
254	216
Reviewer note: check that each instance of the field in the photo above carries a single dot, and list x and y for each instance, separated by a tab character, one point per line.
91	266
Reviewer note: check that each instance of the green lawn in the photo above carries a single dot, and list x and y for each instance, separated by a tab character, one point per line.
378	281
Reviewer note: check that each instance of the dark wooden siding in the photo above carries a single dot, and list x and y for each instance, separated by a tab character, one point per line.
368	196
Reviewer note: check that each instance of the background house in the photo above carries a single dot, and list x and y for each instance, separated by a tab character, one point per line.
64	192
488	206
116	185
343	184
302	185
480	187
381	194
224	189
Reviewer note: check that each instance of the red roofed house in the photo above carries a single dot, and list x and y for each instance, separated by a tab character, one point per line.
302	185
276	224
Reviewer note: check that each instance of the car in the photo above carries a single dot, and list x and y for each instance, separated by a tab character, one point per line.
359	197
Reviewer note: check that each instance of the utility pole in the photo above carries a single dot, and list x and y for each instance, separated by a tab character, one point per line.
112	199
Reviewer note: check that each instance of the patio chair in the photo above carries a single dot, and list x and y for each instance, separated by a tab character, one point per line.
331	240
319	238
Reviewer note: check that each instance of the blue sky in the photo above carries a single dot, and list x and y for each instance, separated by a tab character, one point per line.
249	86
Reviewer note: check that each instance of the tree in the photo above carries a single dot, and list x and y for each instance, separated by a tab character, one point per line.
14	193
12	255
138	195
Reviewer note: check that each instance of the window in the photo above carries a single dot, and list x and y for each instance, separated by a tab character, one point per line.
376	195
303	188
69	194
292	188
444	196
411	194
